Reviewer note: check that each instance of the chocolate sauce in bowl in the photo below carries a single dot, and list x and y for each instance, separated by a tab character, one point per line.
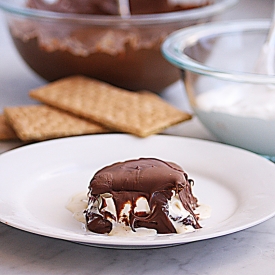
126	56
112	7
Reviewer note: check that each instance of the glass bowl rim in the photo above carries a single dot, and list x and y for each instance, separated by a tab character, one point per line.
193	14
174	44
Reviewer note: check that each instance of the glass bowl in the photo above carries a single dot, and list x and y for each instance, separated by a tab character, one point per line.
218	66
122	51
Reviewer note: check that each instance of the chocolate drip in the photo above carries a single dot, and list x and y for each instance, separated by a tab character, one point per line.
158	218
149	178
98	224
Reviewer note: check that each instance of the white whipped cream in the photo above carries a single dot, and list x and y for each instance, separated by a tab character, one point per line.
245	100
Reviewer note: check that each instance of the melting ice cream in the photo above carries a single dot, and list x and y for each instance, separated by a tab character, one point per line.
144	194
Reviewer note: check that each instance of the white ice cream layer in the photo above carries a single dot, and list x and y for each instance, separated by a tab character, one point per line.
177	213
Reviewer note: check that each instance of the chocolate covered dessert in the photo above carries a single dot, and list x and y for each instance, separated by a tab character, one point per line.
144	193
123	52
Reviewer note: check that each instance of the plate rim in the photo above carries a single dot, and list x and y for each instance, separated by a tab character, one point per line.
116	242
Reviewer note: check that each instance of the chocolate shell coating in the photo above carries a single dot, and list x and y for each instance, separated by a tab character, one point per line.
149	178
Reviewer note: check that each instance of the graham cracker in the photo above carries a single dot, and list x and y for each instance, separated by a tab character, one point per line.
41	122
139	113
6	131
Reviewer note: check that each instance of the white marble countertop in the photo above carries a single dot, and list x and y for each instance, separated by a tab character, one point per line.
251	251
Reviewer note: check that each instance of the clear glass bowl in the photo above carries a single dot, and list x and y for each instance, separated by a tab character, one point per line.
122	51
218	65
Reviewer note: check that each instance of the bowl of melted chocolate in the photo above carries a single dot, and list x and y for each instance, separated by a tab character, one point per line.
116	41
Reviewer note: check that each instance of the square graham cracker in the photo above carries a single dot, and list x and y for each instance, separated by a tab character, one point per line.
6	131
139	113
41	122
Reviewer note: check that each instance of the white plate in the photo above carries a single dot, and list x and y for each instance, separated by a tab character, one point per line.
37	181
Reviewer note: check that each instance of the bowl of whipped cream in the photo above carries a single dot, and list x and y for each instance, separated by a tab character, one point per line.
231	94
